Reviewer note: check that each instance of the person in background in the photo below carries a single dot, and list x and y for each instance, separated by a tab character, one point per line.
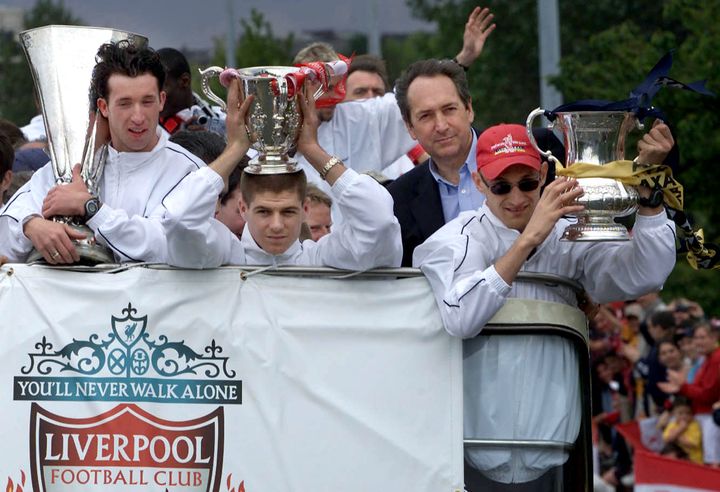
684	430
675	451
204	144
651	399
15	134
35	129
671	357
229	206
605	333
7	157
367	77
208	146
183	108
318	217
704	391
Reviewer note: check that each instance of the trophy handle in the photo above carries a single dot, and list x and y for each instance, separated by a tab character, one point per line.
95	152
529	126
93	169
205	76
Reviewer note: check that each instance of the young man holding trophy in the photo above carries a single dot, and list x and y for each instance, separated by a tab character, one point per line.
121	209
529	385
273	195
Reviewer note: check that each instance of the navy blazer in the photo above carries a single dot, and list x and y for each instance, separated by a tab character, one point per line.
417	207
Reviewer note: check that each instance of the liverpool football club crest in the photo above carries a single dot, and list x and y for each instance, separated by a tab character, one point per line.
125	448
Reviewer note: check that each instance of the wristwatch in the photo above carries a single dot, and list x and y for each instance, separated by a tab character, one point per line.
91	207
334	161
655	199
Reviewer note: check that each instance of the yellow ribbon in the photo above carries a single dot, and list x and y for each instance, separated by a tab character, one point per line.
632	174
704	254
699	253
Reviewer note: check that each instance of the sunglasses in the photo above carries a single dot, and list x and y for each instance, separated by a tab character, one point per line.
503	187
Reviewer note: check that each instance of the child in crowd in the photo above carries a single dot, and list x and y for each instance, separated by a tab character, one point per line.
684	430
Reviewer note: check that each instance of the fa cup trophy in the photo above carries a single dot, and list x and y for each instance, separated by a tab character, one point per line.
595	137
274	119
61	60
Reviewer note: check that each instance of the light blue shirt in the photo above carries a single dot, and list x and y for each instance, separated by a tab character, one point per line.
461	197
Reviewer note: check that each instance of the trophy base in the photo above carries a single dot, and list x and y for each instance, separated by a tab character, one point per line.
595	230
272	165
90	252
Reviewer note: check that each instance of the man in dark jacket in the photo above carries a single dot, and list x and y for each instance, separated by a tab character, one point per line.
435	103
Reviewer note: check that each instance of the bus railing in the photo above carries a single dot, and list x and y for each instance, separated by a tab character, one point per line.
545	278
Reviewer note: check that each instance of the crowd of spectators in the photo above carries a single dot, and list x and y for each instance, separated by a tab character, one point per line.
651	361
658	363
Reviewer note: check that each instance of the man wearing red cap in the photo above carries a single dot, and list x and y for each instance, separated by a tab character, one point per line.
471	264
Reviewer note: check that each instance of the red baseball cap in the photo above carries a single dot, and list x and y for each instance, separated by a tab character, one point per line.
502	146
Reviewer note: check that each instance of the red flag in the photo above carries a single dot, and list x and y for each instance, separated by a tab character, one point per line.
655	473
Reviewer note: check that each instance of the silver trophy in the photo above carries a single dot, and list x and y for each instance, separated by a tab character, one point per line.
274	120
61	60
595	137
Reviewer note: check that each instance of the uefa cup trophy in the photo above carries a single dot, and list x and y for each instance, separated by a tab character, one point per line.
274	119
61	60
595	137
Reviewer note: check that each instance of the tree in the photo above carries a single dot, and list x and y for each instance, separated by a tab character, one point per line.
16	85
257	45
621	55
47	12
399	52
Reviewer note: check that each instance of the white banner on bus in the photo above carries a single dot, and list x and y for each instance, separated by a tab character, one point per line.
200	381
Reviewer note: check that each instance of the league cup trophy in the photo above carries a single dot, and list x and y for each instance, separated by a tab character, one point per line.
61	60
595	137
274	119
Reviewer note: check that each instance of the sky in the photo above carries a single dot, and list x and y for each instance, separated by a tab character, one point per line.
194	23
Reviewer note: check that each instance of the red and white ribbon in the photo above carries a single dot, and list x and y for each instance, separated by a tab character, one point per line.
322	72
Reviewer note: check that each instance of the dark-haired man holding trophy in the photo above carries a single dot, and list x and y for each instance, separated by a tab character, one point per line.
124	211
273	190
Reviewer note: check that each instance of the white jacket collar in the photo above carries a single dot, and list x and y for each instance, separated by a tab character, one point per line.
132	160
255	255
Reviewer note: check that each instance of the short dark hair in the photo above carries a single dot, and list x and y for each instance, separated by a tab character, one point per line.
234	180
7	155
18	180
372	64
663	319
681	401
124	58
703	325
431	68
674	448
251	184
205	144
668	341
13	132
174	62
